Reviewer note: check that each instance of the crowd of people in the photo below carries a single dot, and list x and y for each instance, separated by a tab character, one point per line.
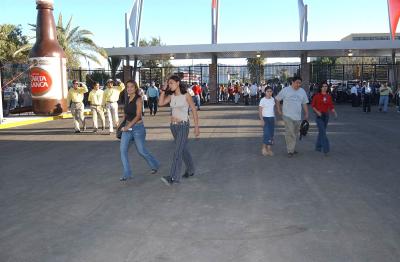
246	93
290	102
363	94
16	97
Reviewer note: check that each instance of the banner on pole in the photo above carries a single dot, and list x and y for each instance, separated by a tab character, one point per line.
394	15
302	16
134	20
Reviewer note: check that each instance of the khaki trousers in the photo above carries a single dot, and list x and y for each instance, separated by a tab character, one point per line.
112	114
77	111
292	128
98	111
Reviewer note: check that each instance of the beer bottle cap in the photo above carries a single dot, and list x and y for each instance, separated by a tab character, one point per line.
44	2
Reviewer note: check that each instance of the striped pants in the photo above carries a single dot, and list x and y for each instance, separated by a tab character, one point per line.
181	132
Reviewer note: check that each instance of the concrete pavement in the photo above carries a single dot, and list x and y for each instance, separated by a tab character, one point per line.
61	200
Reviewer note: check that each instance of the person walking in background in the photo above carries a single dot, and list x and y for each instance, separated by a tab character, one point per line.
397	97
359	94
322	104
246	94
266	111
253	94
14	99
294	100
354	95
179	100
27	97
134	131
197	95
205	93
237	92
152	96
231	95
96	106
221	92
75	103
110	102
366	93
384	92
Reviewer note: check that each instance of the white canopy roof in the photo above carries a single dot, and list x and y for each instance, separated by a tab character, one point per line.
271	49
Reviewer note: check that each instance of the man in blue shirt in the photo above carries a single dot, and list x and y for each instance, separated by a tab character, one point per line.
152	94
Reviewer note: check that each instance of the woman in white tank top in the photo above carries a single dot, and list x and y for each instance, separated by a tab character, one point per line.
180	101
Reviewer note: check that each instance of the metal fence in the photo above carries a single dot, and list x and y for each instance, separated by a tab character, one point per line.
15	77
343	73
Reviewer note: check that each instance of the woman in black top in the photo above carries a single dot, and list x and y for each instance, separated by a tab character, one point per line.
134	130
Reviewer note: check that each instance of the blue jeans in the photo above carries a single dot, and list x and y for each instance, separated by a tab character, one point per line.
196	100
383	100
137	135
322	143
269	126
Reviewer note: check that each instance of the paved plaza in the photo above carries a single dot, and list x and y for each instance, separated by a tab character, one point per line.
61	199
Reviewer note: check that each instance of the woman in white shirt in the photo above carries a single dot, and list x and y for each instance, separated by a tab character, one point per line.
266	112
180	100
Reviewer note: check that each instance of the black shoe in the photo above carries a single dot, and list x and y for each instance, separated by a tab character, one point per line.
125	178
95	130
77	131
290	155
295	152
187	175
167	180
153	171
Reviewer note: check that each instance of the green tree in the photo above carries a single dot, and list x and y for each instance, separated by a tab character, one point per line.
157	70
114	63
255	66
325	60
283	75
75	42
11	40
97	75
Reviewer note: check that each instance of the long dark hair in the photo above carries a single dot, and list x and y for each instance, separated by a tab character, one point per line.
135	85
320	87
182	86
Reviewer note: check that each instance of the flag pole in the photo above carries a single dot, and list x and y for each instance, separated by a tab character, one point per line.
136	40
1	100
390	22
126	37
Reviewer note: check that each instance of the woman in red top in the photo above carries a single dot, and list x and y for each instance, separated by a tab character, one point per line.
322	104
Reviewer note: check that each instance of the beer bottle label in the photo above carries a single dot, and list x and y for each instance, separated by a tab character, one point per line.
48	78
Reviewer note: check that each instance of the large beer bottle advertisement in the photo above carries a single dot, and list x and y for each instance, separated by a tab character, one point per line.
48	65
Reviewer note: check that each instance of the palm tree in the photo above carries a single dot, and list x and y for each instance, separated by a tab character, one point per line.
255	66
76	43
114	63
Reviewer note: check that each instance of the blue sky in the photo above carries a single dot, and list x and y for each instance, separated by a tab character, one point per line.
189	21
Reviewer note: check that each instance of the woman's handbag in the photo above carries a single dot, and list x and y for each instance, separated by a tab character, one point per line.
118	133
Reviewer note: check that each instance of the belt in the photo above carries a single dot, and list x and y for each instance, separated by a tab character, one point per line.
112	101
179	122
